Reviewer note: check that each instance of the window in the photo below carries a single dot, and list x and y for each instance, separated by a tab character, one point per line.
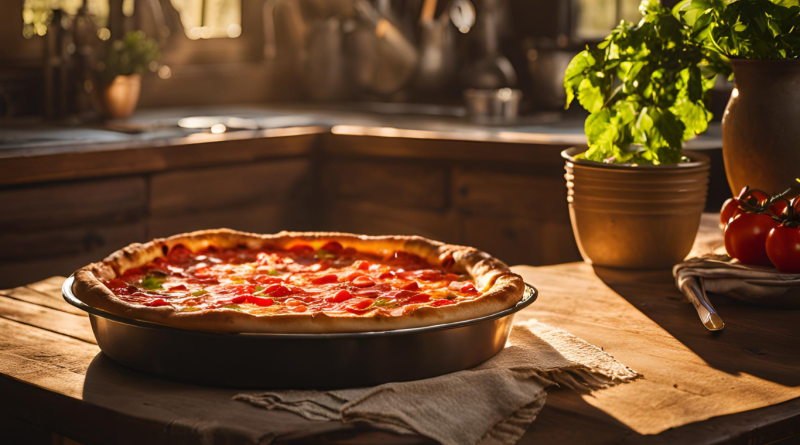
37	14
208	19
201	19
595	18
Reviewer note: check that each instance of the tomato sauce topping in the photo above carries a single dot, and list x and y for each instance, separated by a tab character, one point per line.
332	279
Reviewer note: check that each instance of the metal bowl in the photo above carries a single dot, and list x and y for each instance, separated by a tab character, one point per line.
300	361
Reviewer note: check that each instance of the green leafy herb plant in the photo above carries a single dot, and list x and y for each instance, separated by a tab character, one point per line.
134	54
646	85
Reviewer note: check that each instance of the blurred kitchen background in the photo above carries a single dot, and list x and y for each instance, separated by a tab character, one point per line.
439	118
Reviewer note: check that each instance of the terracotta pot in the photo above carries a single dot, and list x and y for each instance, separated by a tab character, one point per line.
760	130
635	217
121	96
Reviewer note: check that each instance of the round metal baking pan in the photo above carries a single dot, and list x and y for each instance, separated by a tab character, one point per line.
300	361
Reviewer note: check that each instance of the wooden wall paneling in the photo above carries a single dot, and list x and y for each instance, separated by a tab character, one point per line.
543	197
520	239
382	219
201	190
399	143
95	236
16	272
396	182
512	240
64	204
53	229
259	218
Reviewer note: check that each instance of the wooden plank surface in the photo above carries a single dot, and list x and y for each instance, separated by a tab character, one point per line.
57	378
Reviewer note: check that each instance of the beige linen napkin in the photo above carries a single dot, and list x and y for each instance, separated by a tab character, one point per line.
493	403
720	274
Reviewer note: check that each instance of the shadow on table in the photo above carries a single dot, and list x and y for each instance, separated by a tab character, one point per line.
760	341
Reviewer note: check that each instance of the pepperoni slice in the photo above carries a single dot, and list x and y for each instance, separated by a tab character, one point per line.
468	288
333	247
116	285
340	297
325	279
419	298
361	265
157	302
302	249
387	275
411	285
360	305
260	301
363	282
442	302
277	290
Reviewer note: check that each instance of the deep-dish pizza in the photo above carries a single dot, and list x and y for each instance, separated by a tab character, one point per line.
298	282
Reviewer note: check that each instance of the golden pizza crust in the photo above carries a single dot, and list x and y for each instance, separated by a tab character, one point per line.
501	288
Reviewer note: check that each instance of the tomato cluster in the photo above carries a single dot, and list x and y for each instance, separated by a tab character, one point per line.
763	230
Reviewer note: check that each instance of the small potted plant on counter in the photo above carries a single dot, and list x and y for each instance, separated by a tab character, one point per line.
635	196
121	69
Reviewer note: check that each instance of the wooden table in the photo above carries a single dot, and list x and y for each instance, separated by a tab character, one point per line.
55	383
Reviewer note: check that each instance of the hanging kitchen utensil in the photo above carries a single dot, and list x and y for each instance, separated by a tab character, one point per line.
395	58
437	53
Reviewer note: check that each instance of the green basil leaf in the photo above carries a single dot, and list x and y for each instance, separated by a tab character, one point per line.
153	282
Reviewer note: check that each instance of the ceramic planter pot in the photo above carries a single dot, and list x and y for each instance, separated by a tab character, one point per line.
760	131
635	217
120	97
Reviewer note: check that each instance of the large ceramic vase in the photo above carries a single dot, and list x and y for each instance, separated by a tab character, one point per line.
761	126
635	217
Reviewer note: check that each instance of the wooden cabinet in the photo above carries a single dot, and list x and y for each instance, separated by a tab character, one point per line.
56	228
507	199
263	197
517	213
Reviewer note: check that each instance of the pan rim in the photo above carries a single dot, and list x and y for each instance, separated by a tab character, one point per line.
530	295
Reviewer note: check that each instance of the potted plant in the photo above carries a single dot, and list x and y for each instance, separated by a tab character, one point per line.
635	196
120	71
761	38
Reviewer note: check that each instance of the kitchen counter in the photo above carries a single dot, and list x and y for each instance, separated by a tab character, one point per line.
738	386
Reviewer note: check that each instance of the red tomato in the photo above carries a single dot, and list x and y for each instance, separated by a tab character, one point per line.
469	287
746	238
783	248
728	209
